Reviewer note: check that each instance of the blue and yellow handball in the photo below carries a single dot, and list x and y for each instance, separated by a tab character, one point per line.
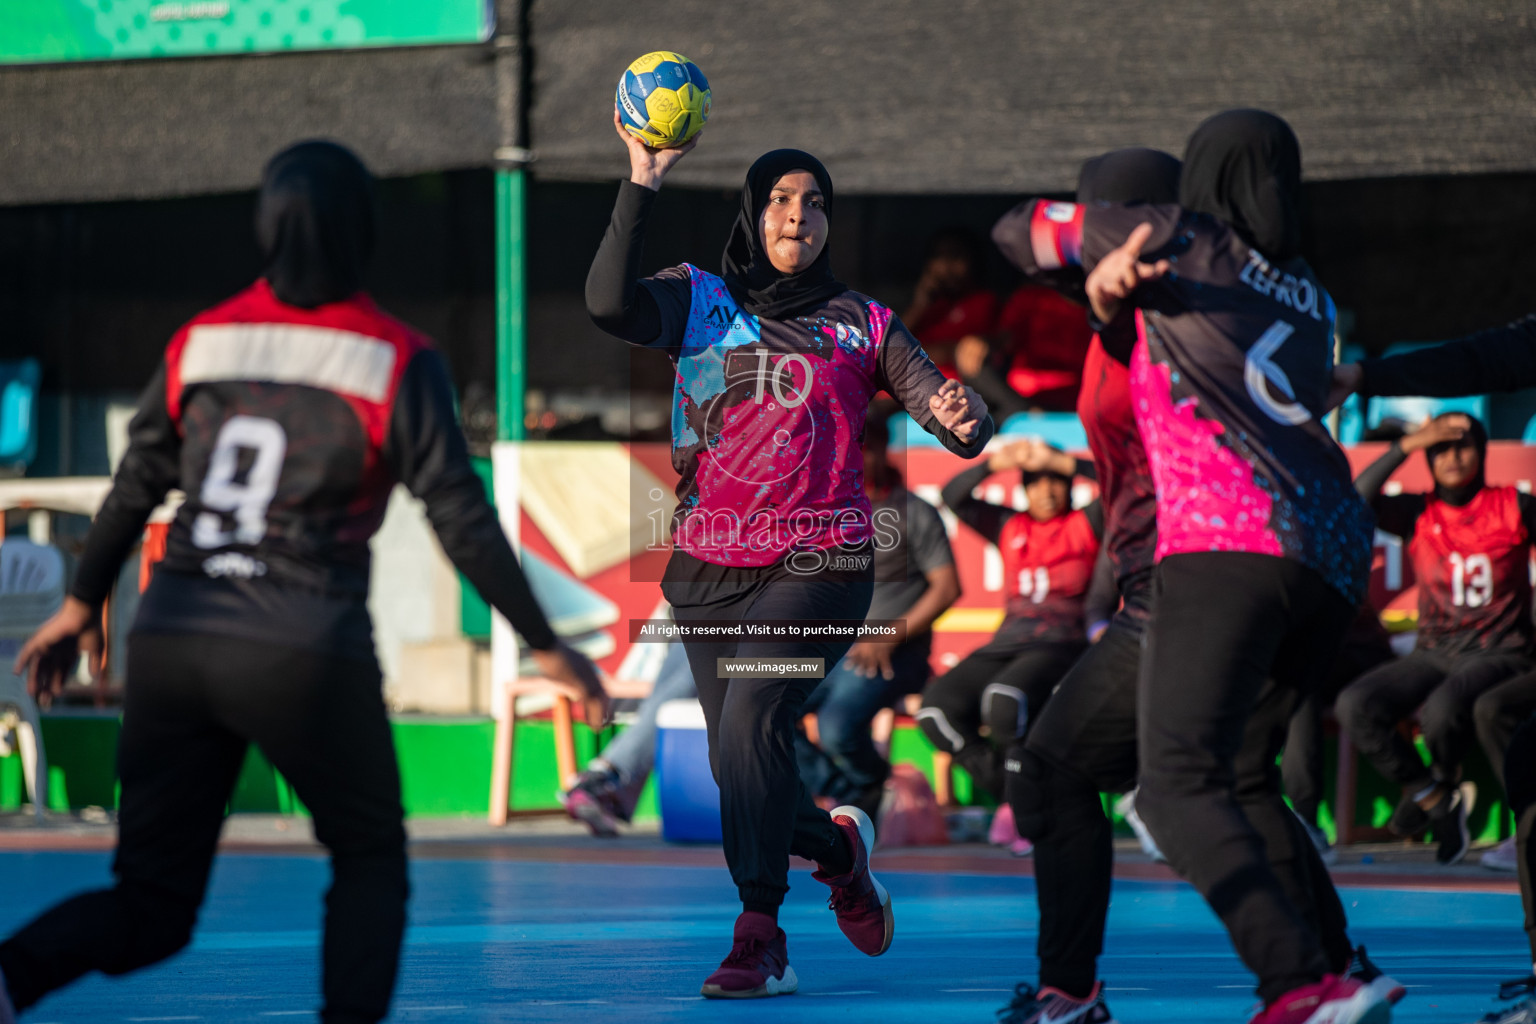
663	99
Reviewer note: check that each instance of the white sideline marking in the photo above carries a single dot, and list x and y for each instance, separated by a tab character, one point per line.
428	1009
991	990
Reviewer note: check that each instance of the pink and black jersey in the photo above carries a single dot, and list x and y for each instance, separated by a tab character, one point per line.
286	428
768	417
1229	377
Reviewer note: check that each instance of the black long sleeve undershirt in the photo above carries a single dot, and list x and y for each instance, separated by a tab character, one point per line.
653	313
617	300
1498	359
427	451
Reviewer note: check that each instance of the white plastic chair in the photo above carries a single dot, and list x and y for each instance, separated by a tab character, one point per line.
31	590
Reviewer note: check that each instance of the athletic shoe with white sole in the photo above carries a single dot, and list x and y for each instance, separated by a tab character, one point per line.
862	905
1053	1006
758	965
1361	969
1523	1012
1126	808
1334	1000
1504	857
1448	821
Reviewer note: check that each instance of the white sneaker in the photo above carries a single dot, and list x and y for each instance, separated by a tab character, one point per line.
1504	857
1126	808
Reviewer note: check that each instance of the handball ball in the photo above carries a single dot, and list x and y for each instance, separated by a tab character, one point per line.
663	99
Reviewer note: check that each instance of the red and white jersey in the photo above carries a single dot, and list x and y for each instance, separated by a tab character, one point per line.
1473	568
1047	567
283	414
286	428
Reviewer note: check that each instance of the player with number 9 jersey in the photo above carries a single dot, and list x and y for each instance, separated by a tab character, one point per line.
286	416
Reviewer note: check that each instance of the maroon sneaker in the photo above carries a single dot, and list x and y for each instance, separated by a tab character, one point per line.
862	905
758	965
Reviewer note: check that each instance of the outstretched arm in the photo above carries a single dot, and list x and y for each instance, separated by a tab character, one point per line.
1499	359
947	409
150	468
426	449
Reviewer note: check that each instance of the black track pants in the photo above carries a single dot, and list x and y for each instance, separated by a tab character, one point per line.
194	704
1235	633
766	811
1002	689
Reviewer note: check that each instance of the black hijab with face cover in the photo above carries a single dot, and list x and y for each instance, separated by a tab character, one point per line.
1130	176
1243	167
314	222
754	283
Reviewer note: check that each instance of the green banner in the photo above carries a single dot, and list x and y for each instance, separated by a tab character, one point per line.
45	31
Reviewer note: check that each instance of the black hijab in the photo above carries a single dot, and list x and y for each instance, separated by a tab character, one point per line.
1243	167
754	283
1477	436
1130	176
314	223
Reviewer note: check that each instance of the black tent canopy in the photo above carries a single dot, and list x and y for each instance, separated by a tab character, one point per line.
967	96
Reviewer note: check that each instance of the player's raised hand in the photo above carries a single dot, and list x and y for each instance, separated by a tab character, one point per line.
1121	272
49	656
1437	431
958	409
565	664
648	166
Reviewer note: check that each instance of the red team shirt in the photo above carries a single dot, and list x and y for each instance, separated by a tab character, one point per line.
1120	459
1472	564
1047	566
1046	570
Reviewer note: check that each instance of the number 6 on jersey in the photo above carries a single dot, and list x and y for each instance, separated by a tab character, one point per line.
226	493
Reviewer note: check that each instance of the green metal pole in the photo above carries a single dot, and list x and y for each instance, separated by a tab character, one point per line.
511	302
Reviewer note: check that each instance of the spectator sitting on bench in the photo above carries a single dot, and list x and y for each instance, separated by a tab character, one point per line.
976	709
1470	547
915	580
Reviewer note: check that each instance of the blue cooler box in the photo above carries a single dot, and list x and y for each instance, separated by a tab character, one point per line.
685	790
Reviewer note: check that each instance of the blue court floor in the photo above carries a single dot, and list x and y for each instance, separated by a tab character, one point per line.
548	942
